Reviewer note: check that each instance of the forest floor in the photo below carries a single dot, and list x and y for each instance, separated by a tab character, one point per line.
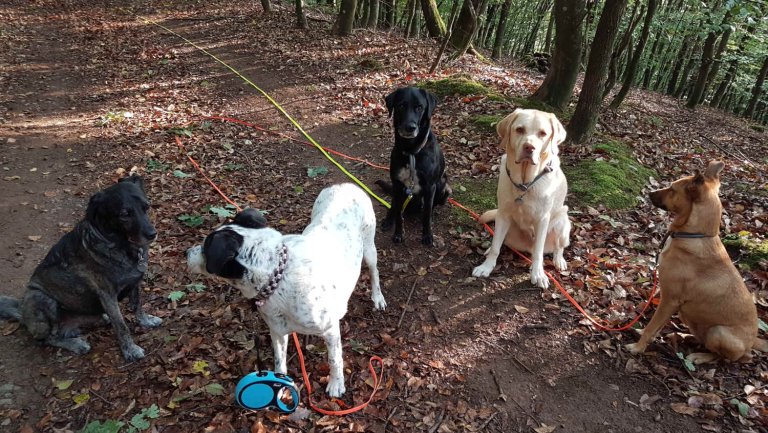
90	92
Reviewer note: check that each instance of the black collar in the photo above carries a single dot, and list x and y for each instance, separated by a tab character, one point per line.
421	146
686	235
277	276
524	187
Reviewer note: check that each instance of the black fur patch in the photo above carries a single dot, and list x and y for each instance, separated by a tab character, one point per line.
220	250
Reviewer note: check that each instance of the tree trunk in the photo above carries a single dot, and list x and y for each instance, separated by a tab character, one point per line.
588	107
501	29
267	6
649	69
618	51
464	29
488	25
435	24
548	36
634	63
687	70
301	20
413	20
591	6
707	57
721	47
541	12
730	74
346	19
373	14
757	89
387	16
557	88
681	56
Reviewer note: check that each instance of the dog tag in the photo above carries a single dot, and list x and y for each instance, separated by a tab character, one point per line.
519	199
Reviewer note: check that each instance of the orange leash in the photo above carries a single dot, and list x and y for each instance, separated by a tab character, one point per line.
377	379
474	215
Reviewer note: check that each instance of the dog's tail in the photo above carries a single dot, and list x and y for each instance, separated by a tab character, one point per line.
385	186
9	308
760	344
488	216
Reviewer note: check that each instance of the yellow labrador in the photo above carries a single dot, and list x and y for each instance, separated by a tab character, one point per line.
531	216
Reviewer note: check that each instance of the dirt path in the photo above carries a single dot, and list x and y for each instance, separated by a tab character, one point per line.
493	355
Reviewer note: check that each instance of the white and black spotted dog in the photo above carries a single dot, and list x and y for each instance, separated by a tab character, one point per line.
301	283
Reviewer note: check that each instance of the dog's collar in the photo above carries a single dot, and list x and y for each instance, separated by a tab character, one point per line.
421	146
686	235
524	187
274	280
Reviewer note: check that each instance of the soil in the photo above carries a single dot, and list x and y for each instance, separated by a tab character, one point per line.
469	355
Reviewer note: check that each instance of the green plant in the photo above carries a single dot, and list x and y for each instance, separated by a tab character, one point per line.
191	220
155	165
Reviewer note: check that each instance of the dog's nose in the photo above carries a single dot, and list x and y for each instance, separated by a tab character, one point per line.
410	128
150	233
528	148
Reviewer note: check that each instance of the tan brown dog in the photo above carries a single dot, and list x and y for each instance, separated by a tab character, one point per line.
696	276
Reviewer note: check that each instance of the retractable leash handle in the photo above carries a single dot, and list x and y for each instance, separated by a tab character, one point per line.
266	389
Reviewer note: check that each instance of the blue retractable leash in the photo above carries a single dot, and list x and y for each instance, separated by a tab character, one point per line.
264	389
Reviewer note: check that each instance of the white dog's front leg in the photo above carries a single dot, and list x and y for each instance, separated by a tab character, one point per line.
538	276
280	350
336	361
501	230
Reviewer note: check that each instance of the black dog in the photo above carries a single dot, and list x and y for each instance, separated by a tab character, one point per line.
89	270
417	165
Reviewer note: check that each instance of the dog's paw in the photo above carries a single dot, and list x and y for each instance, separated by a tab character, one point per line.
539	277
635	348
379	303
560	263
397	238
483	270
335	388
427	239
702	357
77	345
71	332
132	352
149	321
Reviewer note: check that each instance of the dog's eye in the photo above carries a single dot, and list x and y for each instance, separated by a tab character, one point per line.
419	108
124	213
520	130
542	133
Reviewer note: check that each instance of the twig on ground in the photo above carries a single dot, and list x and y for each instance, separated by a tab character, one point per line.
407	302
101	398
510	354
488	421
502	396
391	414
742	158
434	316
438	421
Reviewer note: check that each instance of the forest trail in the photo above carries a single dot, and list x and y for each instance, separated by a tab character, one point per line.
92	93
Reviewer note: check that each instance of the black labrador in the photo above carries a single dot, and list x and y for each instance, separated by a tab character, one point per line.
89	271
417	164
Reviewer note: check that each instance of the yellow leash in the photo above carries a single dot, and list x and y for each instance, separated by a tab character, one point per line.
285	113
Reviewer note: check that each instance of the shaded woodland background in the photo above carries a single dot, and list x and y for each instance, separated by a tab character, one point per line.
89	92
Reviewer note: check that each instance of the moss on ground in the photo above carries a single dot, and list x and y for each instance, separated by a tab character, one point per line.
749	252
476	194
535	105
459	84
486	122
615	181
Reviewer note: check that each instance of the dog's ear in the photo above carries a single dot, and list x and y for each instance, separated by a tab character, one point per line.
390	101
431	102
558	134
93	205
502	128
251	218
135	180
713	170
220	249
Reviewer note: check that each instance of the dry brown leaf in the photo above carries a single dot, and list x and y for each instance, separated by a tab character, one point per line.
521	309
684	409
544	429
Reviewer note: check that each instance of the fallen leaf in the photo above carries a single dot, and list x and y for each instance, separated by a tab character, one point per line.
521	309
544	429
34	238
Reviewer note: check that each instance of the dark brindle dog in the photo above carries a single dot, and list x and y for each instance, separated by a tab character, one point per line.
417	164
89	270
